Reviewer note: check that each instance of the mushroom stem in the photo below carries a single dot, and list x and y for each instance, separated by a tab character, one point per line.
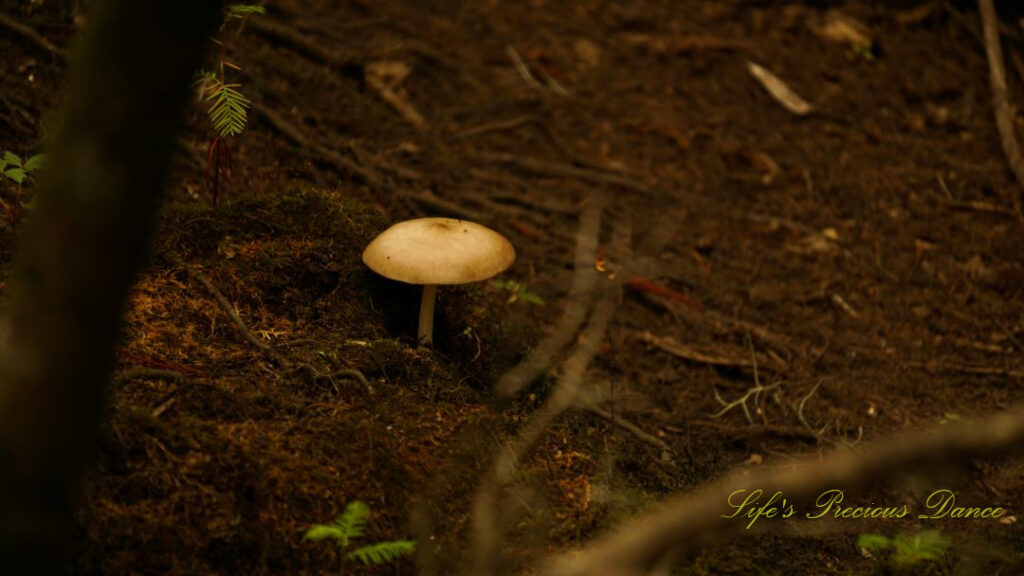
426	331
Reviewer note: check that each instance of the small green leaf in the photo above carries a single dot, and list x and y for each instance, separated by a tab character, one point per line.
873	542
532	298
382	552
228	108
203	77
16	174
36	162
12	159
950	417
352	522
322	532
239	11
920	547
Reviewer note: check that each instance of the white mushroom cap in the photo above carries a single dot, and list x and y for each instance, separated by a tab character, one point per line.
439	251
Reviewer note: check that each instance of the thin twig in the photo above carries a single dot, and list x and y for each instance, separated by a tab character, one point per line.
443	207
149	373
753	430
714	358
522	68
803	420
535	202
722	324
494	126
968	369
23	124
319	152
342	373
225	305
978	206
1000	94
379	76
33	36
684	44
301	43
753	393
563	170
629	427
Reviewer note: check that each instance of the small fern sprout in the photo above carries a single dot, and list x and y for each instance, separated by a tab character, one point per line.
906	549
351	525
228	108
240	12
518	292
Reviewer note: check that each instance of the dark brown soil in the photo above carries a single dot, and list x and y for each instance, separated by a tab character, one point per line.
869	253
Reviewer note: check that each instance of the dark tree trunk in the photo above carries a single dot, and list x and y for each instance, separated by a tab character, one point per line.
107	166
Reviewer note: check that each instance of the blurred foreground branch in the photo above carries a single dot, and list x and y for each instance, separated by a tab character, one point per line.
690	519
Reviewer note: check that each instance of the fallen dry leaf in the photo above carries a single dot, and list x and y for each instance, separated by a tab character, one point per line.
778	89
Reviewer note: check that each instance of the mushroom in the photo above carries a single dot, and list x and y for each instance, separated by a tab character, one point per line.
434	251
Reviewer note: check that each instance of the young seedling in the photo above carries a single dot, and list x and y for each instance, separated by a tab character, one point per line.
17	171
905	549
517	292
228	107
350	525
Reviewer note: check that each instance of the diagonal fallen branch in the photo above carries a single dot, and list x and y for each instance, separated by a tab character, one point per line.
706	355
318	151
722	324
628	426
32	36
689	519
386	79
563	170
674	45
288	36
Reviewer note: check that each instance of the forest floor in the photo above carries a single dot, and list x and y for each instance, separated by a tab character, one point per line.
861	263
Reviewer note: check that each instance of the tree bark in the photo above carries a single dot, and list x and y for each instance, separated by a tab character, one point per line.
107	167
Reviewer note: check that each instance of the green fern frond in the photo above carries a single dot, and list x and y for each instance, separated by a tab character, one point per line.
873	542
352	522
16	170
229	108
382	552
9	159
35	163
240	11
323	532
204	79
920	547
